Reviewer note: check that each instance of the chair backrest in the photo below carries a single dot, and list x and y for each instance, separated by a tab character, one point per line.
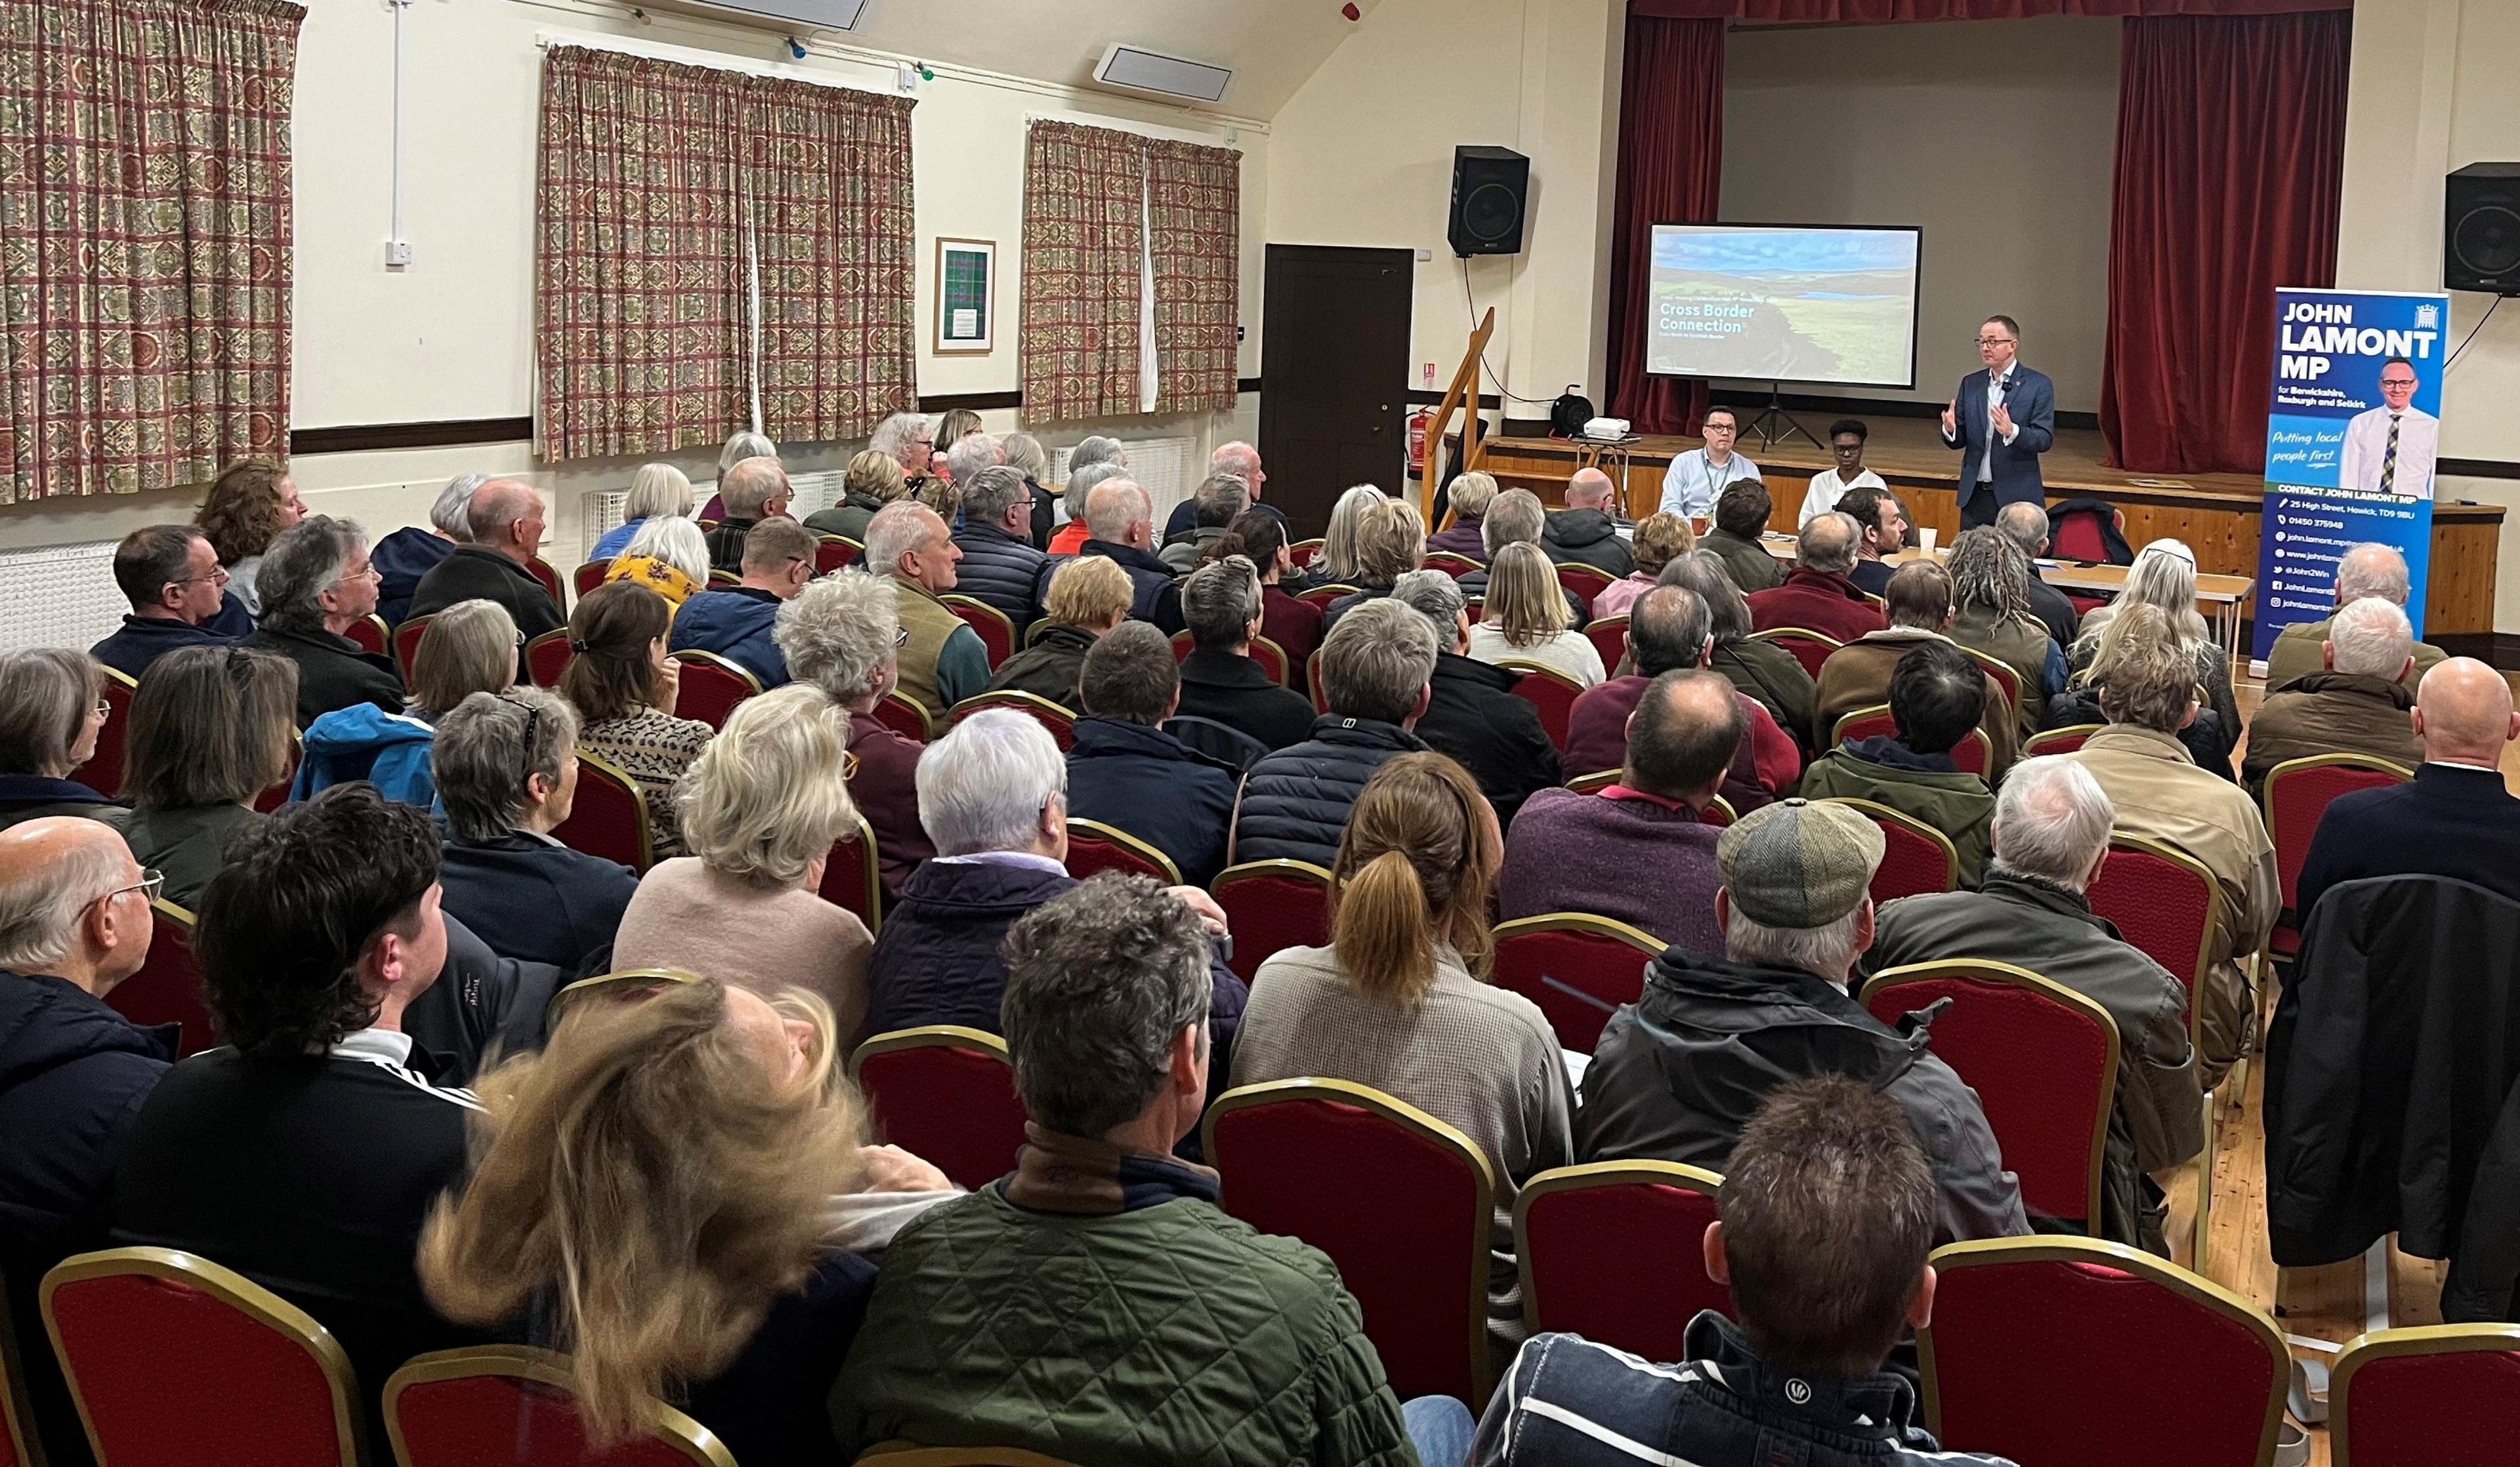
1610	638
1974	754
511	1403
1863	723
1060	723
905	716
946	1094
1323	596
1810	649
712	686
2074	1352
175	1362
1271	906
2076	535
103	771
547	573
2043	1059
1551	691
1575	1240
547	656
1595	781
1304	553
1916	858
995	629
723	578
2436	1395
2063	740
1184	644
369	633
1400	1201
610	817
406	642
1586	581
2165	903
1313	685
1094	846
1272	657
832	551
1451	564
276	794
168	989
2003	673
853	876
590	575
1577	967
619	986
1718	813
2297	793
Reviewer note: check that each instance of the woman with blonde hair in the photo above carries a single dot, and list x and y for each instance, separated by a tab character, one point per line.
760	811
1468	496
669	556
1337	564
1526	619
624	687
1660	538
2163	577
873	480
1399	1002
1389	542
656	489
1088	596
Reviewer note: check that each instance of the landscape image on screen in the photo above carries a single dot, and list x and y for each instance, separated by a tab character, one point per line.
1787	305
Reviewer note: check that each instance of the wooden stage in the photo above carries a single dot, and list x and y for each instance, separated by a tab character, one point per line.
2216	513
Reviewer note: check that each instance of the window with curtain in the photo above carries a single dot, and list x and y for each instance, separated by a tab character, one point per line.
145	224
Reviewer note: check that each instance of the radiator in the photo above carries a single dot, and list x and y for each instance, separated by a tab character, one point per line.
1166	467
59	596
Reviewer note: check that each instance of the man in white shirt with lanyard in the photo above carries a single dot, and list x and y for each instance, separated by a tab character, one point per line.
1846	444
1699	477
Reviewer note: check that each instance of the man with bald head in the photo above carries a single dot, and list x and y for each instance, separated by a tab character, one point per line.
2458	818
1819	594
755	490
1586	530
507	520
2366	569
1238	458
1120	527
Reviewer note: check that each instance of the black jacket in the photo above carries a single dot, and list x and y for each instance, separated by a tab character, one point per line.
481	1002
999	569
535	900
1237	693
726	544
1158	598
1049	668
847	518
333	674
1185	517
1587	537
143	640
476	574
2113	544
1156	788
2055	610
1474	717
401	559
2208	748
2448	820
30	797
1295	802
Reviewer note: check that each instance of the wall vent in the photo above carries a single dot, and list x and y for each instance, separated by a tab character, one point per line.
813	15
1138	69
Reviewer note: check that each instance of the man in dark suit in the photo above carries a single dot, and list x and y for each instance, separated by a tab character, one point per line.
2002	420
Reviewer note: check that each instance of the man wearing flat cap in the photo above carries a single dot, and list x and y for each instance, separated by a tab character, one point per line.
1678	1073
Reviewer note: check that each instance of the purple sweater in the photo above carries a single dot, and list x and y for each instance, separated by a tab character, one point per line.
1623	856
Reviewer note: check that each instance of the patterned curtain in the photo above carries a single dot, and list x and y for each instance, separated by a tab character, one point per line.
1195	214
143	241
1083	254
641	286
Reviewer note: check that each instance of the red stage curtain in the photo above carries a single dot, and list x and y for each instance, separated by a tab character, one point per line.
2215	206
1868	11
1671	162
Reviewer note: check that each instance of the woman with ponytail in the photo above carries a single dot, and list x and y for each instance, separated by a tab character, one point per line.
1399	1000
1296	626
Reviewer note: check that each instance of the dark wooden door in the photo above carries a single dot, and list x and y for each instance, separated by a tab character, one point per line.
1333	365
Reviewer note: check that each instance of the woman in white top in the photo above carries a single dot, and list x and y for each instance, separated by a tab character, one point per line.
1846	442
1526	619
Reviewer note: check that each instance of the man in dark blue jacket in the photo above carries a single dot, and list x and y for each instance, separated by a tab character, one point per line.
735	622
1240	460
174	583
1125	771
1120	526
999	566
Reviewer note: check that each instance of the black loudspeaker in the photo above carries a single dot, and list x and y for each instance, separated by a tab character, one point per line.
2480	228
1488	185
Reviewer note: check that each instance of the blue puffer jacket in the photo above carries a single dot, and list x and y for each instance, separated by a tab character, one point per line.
735	624
1295	802
388	750
999	569
1158	595
1156	788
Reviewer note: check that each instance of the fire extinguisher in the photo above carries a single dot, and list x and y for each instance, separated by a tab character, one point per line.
1418	422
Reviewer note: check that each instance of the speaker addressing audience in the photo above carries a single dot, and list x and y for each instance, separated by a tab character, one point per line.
1670	629
172	579
1858	674
1659	539
1883	525
209	733
2365	570
1225	606
942	661
841	635
1819	594
2360	704
1471	712
1375	668
1846	438
1698	478
318	580
872	480
1587	531
733	622
1000	566
1768	672
1125	771
247	508
2001	419
624	687
52	707
507	521
1938	697
1088	596
1740	518
754	491
414	551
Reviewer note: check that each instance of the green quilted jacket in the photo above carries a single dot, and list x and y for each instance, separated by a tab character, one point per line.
1167	1336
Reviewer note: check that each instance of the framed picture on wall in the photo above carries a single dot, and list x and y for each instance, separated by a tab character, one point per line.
966	283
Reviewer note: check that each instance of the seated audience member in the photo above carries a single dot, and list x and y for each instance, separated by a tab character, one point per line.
317	580
1390	542
1817	595
248	506
1218	502
404	556
1225	606
1468	495
1587	531
209	733
1991	614
1857	675
740	446
1637	851
1377	667
942	661
624	687
2148	692
1678	1073
962	449
1083	476
2027	524
1238	459
1027	457
1741	517
2456	819
1125	771
52	707
2164	578
910	440
305	1150
653	1199
1827	1215
1669	631
1696	478
1526	620
656	491
1660	537
1472	715
841	633
1937	698
998	1316
872	480
469	647
1295	626
1399	1001
1768	674
1000	567
506	518
2051	836
507	773
1337	564
1882	531
1089	596
1845	439
1516	518
735	621
752	491
2367	569
1120	525
172	579
74	922
2358	704
760	811
669	556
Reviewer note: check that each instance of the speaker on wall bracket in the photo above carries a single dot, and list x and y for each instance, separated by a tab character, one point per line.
2481	229
1488	188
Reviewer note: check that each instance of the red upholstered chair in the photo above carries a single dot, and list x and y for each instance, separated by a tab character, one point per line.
1451	564
590	575
995	629
1575	1233
2003	673
1610	638
1313	685
1577	967
276	795
2164	902
1916	858
1863	723
103	771
1974	754
168	989
2043	1059
1401	1202
1272	657
2297	793
2063	740
406	642
718	580
1594	783
1271	906
1551	691
1323	596
2439	1395
511	1403
1586	581
2074	1352
832	551
1094	846
1718	813
547	657
2076	536
369	633
1810	649
1184	644
712	686
946	1094
544	571
610	818
905	716
16	1410
1304	553
853	876
1060	723
178	1363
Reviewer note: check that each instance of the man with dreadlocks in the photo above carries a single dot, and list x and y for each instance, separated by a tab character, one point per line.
1990	595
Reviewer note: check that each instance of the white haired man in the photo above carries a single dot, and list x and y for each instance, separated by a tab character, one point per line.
1120	526
1242	462
942	661
2360	702
507	520
2364	570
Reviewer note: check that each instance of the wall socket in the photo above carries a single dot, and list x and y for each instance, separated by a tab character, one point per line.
397	254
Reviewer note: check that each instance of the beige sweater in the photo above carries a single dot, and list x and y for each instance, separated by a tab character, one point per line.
689	917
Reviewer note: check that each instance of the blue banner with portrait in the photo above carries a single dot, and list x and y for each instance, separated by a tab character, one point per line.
2352	436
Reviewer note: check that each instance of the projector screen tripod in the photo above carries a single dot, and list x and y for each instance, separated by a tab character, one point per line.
1775	424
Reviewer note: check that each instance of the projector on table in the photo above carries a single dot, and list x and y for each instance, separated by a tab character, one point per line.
1608	429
